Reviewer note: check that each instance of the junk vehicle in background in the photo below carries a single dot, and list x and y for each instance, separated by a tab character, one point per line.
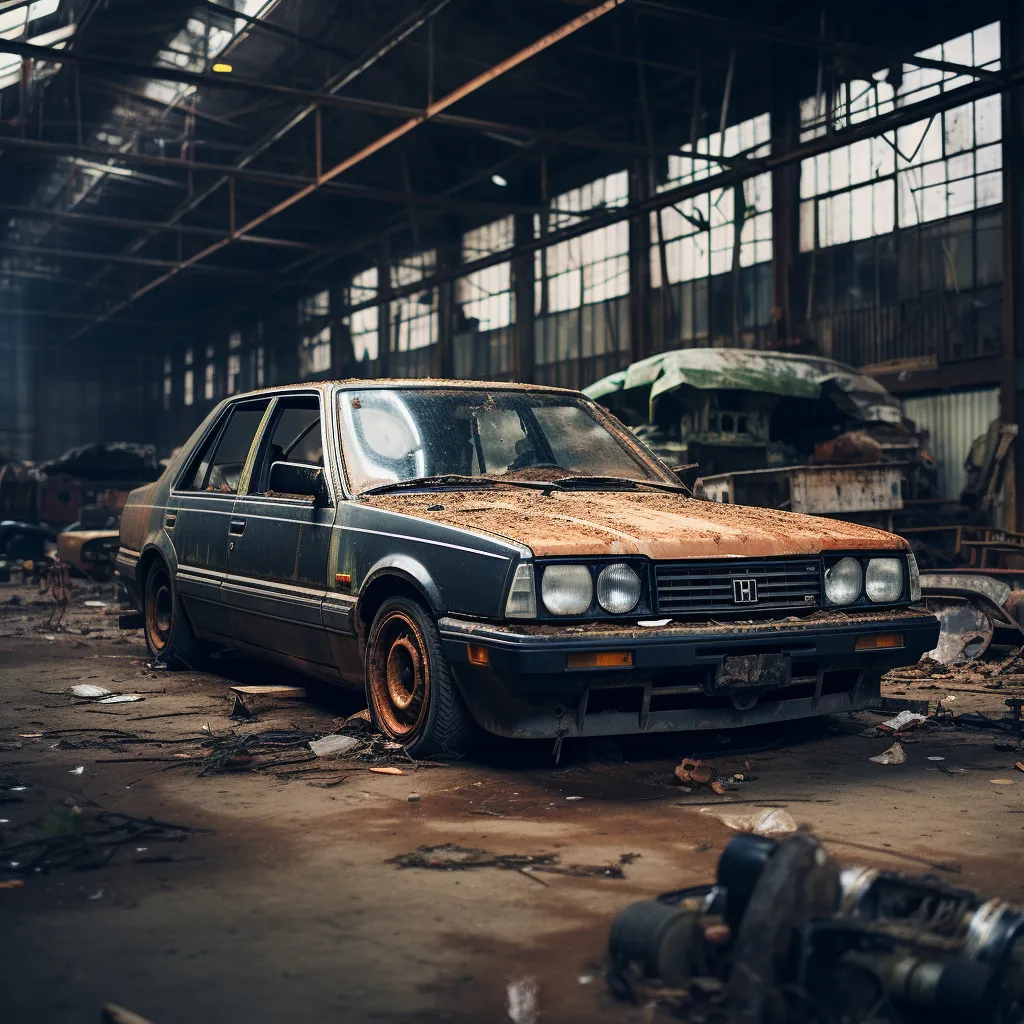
507	559
775	430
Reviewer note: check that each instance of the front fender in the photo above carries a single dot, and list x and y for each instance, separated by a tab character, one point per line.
408	568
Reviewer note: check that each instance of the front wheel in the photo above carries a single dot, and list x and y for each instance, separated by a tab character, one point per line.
412	696
169	635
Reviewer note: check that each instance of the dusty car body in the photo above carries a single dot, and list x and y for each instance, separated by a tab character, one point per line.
506	558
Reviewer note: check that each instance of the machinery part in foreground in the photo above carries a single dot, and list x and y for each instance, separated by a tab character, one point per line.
786	936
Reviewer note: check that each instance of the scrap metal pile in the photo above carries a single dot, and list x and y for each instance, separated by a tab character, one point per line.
786	935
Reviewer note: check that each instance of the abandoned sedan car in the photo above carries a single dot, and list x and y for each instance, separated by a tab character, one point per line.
505	558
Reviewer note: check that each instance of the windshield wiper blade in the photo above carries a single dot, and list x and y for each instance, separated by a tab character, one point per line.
567	482
457	478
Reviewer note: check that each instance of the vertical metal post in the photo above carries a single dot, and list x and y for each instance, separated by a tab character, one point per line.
785	127
384	309
449	256
640	268
1012	392
523	358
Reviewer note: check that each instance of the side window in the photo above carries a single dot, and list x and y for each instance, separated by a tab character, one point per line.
221	465
294	436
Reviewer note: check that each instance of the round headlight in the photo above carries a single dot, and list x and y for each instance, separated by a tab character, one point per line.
883	582
567	589
843	581
618	589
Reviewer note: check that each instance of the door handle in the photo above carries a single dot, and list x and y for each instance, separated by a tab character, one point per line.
236	527
170	519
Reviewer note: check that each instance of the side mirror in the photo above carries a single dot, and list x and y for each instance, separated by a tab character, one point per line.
299	479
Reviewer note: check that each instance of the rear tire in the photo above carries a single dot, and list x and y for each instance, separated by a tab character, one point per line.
410	691
169	635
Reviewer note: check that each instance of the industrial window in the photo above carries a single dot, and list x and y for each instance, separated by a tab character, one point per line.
315	347
414	317
698	234
210	380
168	384
22	21
486	295
364	323
930	170
593	267
234	381
258	373
189	382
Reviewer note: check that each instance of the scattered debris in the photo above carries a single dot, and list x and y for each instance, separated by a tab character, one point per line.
97	895
522	998
11	883
769	822
935	757
79	838
121	698
240	711
277	691
78	770
574	798
1019	765
90	692
118	1015
450	857
387	770
691	769
334	745
894	756
1001	782
414	798
905	721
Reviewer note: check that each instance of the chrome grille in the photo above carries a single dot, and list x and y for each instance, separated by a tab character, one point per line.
708	586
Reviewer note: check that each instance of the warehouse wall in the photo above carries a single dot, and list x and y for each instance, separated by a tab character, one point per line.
953	421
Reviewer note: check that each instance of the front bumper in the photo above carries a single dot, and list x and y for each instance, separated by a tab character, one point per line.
527	690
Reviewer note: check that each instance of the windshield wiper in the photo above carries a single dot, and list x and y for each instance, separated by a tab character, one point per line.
567	482
457	478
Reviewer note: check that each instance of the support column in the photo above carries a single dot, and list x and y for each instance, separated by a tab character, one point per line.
785	112
384	311
449	257
523	301
640	340
1011	394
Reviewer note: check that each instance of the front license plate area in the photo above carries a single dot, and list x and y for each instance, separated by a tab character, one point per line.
743	671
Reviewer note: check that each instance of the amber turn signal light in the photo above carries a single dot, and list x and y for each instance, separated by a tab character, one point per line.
877	641
343	579
478	654
599	659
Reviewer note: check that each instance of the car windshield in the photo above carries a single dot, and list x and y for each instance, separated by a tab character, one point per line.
394	435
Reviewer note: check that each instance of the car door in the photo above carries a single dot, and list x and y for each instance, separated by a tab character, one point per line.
280	544
199	509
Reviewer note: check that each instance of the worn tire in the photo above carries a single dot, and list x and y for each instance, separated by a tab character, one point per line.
410	691
169	635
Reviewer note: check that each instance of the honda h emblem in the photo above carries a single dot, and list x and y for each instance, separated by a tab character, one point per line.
744	591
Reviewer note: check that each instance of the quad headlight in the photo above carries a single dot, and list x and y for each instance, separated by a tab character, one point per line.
883	582
844	581
567	589
618	589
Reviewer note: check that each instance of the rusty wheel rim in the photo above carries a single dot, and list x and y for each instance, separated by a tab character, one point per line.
399	676
159	609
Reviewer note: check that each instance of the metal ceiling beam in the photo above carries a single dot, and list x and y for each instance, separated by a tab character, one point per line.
127	224
880	57
380	49
132	261
101	156
381	143
276	30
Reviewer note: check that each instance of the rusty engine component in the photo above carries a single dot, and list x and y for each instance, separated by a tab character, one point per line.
786	935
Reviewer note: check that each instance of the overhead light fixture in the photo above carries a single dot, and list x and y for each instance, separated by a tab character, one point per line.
223	69
497	179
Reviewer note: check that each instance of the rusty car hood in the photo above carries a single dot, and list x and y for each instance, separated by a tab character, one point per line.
656	524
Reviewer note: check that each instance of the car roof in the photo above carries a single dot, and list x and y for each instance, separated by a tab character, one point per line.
404	382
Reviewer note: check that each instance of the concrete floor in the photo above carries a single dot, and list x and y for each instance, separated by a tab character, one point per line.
287	909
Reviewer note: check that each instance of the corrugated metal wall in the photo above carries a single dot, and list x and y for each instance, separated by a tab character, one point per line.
953	421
